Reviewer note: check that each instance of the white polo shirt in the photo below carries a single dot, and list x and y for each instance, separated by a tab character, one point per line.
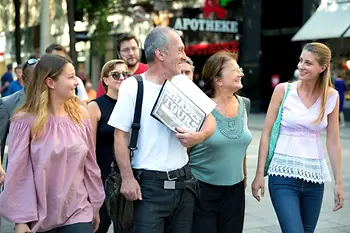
81	92
158	147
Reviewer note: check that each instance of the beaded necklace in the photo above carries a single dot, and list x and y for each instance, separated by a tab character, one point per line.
231	128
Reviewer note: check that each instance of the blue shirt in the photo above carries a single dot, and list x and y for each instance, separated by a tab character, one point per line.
7	77
340	86
14	87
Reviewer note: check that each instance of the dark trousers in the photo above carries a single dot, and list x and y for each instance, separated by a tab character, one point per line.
219	209
297	203
163	210
85	227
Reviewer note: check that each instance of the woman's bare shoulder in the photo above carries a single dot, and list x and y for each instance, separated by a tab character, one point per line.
84	112
332	91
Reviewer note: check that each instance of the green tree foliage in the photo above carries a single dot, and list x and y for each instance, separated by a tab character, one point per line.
96	12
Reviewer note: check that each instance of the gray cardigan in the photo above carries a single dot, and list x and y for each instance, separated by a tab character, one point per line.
8	105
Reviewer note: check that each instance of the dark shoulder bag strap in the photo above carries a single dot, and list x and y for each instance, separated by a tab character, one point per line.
135	127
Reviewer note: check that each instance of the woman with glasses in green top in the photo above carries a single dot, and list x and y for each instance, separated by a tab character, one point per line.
219	161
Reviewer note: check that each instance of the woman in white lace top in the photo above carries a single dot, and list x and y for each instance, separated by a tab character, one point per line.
298	170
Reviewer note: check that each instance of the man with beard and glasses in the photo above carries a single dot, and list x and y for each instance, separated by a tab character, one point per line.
128	50
8	105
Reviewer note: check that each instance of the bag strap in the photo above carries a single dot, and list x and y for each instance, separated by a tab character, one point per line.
135	127
279	114
280	110
289	85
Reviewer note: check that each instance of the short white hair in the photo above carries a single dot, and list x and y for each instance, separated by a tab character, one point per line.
158	38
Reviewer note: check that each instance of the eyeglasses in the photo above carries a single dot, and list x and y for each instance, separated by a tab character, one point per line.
133	49
30	62
117	75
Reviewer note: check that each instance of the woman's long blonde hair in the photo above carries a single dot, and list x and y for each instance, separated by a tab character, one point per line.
323	55
37	94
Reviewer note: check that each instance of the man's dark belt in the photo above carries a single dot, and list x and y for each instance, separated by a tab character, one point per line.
169	175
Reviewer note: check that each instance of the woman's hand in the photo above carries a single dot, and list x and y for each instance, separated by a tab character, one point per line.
21	228
258	184
338	197
96	221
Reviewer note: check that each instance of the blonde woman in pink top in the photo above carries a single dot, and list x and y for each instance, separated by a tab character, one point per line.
53	182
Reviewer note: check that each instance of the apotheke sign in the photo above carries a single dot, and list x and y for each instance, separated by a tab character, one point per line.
207	25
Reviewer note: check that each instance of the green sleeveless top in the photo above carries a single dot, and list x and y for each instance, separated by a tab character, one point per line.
219	159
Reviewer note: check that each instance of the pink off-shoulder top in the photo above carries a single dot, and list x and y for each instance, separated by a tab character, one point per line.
54	180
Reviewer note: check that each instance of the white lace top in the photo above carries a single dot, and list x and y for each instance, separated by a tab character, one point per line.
299	152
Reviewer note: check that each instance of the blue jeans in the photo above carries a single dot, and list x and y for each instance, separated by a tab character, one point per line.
297	203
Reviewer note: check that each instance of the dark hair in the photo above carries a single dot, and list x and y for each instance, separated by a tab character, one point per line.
189	61
18	67
57	47
213	68
125	37
9	66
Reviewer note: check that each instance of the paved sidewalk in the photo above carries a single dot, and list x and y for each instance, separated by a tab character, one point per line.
260	217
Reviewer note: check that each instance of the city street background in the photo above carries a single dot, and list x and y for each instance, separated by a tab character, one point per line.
260	217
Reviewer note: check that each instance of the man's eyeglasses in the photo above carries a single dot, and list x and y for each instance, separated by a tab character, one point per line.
117	75
133	49
30	62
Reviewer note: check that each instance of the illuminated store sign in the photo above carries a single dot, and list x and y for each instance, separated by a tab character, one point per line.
208	49
213	6
207	25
